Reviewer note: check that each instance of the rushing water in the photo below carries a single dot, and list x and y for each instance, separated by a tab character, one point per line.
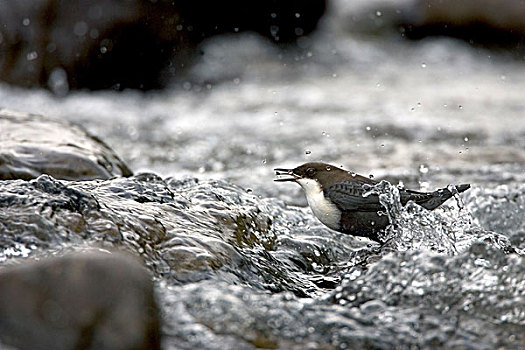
239	261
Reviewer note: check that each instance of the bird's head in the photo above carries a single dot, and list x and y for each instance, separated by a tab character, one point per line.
323	174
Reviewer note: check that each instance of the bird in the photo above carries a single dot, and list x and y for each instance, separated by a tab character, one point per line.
335	196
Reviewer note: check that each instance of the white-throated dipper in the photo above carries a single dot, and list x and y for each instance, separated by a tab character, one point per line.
336	198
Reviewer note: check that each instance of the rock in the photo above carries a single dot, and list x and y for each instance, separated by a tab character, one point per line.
95	44
93	300
480	21
100	44
484	22
281	20
32	145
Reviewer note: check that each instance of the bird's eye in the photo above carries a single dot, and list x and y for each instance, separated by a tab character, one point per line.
310	172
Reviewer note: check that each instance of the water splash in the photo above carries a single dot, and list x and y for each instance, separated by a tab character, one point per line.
447	230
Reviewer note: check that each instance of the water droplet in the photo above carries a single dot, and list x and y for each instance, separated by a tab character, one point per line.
58	82
423	169
307	152
297	15
371	176
33	55
334	75
460	107
236	81
26	22
423	65
264	161
249	190
367	128
93	33
419	104
81	28
328	168
466	139
378	13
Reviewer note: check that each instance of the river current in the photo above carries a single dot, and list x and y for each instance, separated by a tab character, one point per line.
240	261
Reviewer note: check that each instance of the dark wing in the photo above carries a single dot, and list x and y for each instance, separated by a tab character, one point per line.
348	195
430	200
418	197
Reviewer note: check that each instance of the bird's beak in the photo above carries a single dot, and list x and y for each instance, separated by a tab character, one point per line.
288	173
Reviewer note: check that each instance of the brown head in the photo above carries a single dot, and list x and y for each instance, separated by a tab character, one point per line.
325	174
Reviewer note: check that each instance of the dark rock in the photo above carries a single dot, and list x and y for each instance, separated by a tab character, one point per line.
95	44
126	44
279	20
477	21
480	22
95	301
32	145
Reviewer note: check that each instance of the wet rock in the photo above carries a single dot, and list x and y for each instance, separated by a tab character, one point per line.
470	300
32	145
405	300
112	44
95	301
185	231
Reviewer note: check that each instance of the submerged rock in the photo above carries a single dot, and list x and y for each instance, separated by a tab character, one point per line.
95	301
32	145
405	300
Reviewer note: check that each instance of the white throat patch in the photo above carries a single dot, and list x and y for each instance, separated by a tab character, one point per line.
322	208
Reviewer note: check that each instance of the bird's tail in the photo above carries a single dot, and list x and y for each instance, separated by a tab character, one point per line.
436	198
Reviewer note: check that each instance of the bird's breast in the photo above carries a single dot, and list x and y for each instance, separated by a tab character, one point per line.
322	207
